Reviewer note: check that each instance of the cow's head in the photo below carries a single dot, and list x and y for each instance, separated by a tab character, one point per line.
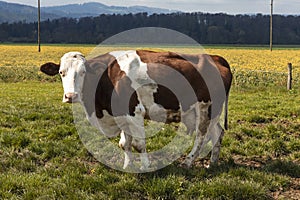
72	71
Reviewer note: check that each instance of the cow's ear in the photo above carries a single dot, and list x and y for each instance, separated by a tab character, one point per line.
50	68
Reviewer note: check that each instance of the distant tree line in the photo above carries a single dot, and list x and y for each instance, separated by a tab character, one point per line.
204	28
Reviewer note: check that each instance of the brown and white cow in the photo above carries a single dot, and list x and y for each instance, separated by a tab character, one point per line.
122	88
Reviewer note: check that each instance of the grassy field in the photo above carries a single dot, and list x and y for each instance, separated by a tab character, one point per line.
42	157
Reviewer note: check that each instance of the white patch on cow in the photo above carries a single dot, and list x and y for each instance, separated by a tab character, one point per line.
214	131
145	94
117	54
215	153
130	62
191	117
134	127
146	97
136	70
127	159
108	125
196	119
72	69
122	140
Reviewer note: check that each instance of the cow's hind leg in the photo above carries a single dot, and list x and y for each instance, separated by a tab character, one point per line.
126	144
216	149
201	130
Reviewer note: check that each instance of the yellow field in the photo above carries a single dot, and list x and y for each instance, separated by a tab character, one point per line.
257	59
239	58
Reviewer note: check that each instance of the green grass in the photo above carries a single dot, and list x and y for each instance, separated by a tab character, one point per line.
41	155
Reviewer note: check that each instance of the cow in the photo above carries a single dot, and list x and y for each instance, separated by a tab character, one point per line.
120	89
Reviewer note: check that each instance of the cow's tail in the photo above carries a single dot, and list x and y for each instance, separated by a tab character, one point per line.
226	113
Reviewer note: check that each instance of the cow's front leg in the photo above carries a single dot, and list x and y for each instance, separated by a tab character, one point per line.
139	145
126	144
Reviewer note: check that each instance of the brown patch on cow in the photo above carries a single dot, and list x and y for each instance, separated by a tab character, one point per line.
224	69
122	90
104	81
157	71
192	67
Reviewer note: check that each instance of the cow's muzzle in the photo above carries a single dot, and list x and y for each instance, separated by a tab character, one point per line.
71	98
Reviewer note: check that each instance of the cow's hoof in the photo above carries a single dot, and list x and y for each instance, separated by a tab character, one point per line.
211	165
144	168
130	167
207	166
185	165
127	164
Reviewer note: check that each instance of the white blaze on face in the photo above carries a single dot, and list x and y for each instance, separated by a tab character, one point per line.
72	70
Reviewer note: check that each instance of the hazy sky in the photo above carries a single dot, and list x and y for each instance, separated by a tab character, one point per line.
213	6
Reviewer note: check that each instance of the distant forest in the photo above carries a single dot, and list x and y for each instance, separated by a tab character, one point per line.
202	27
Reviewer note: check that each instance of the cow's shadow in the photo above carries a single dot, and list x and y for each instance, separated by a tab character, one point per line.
272	166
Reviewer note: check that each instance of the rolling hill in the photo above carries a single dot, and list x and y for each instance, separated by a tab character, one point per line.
12	12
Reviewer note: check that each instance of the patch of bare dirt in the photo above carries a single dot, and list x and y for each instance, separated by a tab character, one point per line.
293	192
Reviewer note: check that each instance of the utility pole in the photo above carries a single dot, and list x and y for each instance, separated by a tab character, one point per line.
39	24
271	27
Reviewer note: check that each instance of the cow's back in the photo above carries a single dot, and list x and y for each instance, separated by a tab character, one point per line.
196	69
